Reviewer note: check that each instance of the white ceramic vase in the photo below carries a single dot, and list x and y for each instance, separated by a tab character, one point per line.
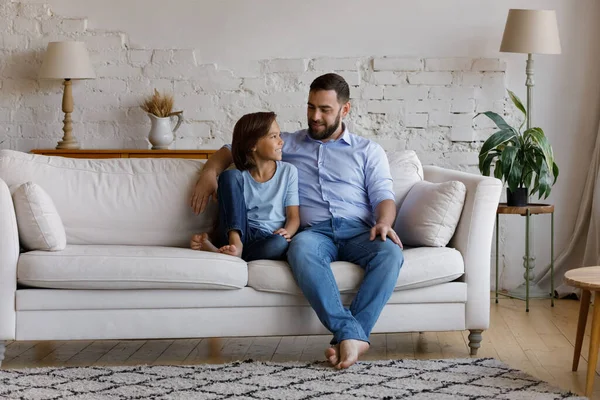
161	133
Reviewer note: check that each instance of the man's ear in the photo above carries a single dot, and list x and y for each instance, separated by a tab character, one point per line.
345	109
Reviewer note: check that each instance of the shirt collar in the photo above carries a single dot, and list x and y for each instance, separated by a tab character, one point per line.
345	137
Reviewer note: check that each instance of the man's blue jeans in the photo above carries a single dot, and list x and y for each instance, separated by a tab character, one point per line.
310	254
258	244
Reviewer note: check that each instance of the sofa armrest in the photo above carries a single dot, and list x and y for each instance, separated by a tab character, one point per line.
473	237
9	254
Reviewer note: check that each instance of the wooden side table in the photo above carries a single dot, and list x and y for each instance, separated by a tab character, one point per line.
527	211
588	280
125	153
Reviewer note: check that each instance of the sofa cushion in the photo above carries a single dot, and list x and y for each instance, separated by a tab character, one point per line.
130	267
423	266
40	226
406	170
430	213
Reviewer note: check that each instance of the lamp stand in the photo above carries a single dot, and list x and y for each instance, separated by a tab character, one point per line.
68	141
529	289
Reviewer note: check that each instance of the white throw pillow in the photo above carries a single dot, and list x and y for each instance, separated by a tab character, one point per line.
40	227
429	214
406	170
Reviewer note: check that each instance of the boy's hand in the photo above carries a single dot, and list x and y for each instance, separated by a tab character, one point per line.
283	232
205	187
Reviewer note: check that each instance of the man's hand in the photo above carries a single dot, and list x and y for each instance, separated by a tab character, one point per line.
283	232
206	186
385	231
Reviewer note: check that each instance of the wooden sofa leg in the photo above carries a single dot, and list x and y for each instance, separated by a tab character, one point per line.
475	338
2	350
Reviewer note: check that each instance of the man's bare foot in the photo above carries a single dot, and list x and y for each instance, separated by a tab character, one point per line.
332	354
201	241
232	250
350	350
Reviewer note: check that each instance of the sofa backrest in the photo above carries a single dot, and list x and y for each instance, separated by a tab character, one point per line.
139	201
115	201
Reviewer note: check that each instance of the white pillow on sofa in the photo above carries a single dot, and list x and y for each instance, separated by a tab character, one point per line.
40	227
430	213
406	170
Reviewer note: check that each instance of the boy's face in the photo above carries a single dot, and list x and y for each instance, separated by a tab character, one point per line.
269	147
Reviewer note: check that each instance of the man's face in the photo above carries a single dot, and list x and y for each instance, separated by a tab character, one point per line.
324	114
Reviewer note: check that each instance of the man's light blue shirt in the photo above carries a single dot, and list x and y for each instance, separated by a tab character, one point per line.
345	178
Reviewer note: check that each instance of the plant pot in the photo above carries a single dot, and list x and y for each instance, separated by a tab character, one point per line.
518	198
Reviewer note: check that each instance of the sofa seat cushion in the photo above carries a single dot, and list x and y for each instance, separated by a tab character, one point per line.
423	266
130	267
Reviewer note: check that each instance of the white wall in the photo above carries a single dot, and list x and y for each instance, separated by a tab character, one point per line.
232	33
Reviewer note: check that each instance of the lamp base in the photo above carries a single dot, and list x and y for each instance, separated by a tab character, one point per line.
535	292
68	141
70	144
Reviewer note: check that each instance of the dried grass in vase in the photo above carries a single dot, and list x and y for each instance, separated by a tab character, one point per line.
160	105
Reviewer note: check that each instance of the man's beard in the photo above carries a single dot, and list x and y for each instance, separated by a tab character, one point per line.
329	129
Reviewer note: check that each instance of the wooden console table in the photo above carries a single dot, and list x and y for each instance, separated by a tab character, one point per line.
125	153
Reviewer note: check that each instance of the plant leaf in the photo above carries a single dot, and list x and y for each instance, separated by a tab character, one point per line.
517	102
511	167
537	137
555	172
485	163
498	169
498	120
544	179
497	139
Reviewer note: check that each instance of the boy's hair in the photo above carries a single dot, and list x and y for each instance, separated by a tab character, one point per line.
246	133
332	82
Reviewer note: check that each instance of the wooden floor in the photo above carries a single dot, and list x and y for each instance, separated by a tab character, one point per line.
539	342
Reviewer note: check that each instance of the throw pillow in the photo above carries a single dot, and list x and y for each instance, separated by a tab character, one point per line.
40	227
406	170
430	213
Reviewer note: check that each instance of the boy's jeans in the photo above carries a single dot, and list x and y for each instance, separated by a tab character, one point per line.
258	244
310	254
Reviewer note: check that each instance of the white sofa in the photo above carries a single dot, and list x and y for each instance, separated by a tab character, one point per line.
127	273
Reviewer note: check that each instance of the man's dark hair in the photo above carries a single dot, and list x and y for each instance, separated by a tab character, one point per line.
246	133
335	82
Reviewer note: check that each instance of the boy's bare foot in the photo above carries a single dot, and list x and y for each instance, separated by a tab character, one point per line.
232	250
201	241
332	354
350	350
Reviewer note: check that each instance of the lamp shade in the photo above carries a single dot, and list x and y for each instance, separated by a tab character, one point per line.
531	31
66	60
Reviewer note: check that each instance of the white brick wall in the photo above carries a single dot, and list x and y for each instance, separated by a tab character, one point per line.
425	104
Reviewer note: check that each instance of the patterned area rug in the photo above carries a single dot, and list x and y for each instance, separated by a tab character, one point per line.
465	379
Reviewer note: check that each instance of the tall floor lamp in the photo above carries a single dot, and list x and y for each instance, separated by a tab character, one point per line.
67	60
530	32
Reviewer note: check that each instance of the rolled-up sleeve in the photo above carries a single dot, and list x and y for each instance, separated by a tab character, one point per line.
378	178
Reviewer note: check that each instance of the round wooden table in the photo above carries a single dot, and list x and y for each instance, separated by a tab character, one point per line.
588	280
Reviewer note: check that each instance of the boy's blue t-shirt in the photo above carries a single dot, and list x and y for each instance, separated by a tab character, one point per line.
266	202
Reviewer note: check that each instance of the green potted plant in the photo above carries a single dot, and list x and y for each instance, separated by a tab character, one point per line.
523	160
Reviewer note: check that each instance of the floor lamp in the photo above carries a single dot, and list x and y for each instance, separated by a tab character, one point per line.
67	60
530	32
